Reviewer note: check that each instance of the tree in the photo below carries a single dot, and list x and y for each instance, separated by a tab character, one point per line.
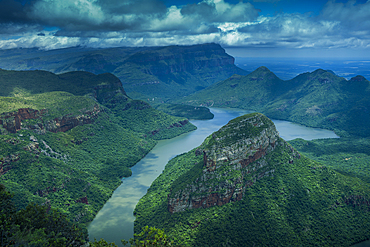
7	212
150	237
35	225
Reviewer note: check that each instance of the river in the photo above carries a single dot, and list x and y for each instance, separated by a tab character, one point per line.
115	221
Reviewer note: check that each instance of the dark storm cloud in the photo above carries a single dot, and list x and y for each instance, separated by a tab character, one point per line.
140	7
94	18
97	15
104	23
141	15
9	29
13	12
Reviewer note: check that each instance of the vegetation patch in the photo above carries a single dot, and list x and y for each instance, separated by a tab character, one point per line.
70	149
303	202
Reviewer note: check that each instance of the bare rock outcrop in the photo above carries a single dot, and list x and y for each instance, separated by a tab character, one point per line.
234	158
12	121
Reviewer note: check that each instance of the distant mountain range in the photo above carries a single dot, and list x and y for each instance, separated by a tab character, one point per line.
318	99
167	74
151	72
245	186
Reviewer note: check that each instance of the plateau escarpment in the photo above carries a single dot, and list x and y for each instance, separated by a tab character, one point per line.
176	59
246	185
174	71
12	121
153	72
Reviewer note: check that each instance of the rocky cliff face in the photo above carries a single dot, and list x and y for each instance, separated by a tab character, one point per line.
234	158
175	71
65	123
110	94
177	59
12	121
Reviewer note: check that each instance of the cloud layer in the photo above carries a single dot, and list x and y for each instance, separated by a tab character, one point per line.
101	23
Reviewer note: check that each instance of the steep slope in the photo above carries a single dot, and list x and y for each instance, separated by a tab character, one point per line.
317	99
190	112
60	149
246	186
70	149
175	71
256	90
347	155
156	72
104	88
66	59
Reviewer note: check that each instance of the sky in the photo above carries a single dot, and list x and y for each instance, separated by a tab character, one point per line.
277	28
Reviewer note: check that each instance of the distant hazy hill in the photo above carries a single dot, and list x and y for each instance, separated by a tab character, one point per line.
67	140
160	72
245	186
317	99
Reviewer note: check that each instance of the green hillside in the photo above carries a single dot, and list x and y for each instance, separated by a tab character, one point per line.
190	112
70	149
349	156
316	99
245	186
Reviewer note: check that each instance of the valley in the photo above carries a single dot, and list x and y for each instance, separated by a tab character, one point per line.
70	149
115	221
75	121
148	72
265	193
316	99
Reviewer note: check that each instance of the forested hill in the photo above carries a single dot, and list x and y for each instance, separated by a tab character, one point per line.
245	186
317	99
148	72
67	140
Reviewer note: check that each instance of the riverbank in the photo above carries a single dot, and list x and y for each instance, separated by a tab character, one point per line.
115	220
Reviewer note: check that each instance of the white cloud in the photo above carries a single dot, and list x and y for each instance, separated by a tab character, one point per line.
352	17
43	42
216	11
69	13
101	23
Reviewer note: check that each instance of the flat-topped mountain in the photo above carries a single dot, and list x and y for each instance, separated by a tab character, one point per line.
246	186
317	99
161	72
175	71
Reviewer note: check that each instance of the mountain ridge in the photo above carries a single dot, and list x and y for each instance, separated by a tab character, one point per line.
316	99
279	197
70	149
239	149
151	71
